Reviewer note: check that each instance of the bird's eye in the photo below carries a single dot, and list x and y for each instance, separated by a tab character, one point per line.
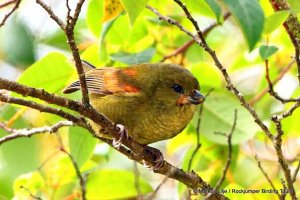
177	88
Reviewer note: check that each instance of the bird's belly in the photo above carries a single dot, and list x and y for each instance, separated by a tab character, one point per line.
160	127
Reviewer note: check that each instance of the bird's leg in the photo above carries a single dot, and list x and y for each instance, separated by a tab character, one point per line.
122	133
158	158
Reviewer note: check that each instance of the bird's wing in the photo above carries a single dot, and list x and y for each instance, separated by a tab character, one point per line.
107	81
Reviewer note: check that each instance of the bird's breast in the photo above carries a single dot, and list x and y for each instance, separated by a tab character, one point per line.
162	124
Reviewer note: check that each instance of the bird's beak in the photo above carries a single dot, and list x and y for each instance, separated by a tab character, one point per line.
196	97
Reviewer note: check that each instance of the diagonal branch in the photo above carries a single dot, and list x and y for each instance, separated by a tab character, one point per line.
132	149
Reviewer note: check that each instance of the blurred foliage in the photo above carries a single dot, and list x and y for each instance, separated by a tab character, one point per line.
36	166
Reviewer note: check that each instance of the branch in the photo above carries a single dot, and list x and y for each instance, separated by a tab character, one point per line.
69	31
52	14
82	179
229	157
198	145
7	3
278	78
265	174
296	172
271	89
30	132
71	22
132	149
292	27
17	3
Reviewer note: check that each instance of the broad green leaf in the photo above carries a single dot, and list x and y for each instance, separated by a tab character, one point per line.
134	8
275	20
81	144
250	18
218	115
135	58
215	8
94	16
51	73
266	51
18	43
112	8
114	184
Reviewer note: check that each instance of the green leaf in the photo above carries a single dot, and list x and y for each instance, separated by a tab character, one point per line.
215	8
114	184
94	16
18	43
275	20
51	73
266	51
294	5
135	58
250	17
81	144
134	8
218	115
17	156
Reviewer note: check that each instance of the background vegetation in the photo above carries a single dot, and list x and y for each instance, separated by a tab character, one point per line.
225	144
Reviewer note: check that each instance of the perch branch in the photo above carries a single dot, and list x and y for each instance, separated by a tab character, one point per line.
133	149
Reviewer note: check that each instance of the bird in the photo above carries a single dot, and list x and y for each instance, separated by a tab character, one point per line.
153	102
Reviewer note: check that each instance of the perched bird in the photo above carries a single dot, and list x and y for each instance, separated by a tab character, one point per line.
153	101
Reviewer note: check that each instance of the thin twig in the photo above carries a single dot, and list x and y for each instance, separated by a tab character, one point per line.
17	133
296	172
30	194
271	89
278	78
71	22
229	157
7	3
198	144
265	174
170	21
52	14
292	27
17	3
82	179
153	194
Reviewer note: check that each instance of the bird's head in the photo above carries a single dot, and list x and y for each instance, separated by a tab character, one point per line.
175	85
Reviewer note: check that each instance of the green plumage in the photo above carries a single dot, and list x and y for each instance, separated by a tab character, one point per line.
154	111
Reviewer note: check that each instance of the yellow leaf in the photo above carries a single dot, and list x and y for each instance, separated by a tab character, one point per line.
112	8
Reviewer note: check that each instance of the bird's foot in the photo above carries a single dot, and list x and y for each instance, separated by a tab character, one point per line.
122	133
158	158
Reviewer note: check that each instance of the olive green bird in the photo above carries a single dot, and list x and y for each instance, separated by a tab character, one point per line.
153	101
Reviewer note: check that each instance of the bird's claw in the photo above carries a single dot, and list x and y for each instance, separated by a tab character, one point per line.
158	159
122	133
